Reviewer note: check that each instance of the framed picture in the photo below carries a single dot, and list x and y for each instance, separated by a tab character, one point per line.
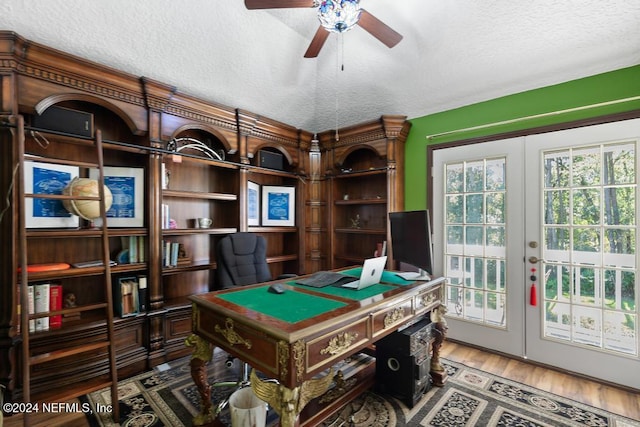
48	178
278	205
127	188
253	204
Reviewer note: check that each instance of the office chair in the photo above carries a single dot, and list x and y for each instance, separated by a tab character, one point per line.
242	260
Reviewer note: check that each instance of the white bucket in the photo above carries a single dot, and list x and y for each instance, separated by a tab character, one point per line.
247	409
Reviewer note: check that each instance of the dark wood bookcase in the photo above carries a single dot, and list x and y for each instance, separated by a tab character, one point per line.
140	120
366	183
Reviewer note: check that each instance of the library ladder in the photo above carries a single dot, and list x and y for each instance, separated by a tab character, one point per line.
29	359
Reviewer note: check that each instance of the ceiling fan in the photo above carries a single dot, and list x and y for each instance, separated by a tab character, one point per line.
335	16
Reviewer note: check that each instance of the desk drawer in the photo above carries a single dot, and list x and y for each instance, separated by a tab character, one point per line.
392	317
243	341
334	346
428	300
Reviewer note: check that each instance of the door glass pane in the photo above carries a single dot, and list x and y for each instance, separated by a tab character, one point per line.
589	228
475	194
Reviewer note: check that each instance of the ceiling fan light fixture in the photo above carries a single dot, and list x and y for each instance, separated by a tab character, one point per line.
338	16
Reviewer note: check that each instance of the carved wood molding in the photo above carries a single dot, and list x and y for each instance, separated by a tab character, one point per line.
83	83
283	358
299	354
341	387
187	113
394	316
268	136
362	138
428	299
231	335
340	343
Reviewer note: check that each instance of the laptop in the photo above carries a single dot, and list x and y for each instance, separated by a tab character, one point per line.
372	270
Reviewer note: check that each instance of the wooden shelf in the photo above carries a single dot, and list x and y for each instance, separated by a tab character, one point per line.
189	231
85	272
281	258
191	158
380	201
273	229
56	161
79	309
379	232
361	173
196	266
129	267
252	169
198	195
62	233
121	232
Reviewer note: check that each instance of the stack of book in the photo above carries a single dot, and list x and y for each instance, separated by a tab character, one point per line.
174	254
44	298
130	296
165	216
133	251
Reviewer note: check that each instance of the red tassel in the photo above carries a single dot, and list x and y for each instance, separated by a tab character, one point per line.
534	295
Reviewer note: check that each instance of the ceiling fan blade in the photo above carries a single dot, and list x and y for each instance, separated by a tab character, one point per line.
379	29
317	43
277	4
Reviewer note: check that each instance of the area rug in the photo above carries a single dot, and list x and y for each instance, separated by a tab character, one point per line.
474	398
167	396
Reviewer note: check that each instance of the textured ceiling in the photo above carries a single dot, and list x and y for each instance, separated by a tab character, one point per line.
454	52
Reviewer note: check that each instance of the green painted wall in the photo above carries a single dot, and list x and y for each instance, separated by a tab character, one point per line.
601	88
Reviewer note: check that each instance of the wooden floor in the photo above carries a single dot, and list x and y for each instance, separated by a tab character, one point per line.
592	393
606	397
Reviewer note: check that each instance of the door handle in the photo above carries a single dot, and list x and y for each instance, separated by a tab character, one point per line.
535	260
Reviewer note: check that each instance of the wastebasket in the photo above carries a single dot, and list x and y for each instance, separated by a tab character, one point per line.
247	409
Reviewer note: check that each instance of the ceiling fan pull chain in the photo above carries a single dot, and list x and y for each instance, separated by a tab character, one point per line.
337	79
342	51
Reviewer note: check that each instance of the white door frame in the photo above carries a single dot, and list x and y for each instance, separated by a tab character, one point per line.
511	339
523	337
594	363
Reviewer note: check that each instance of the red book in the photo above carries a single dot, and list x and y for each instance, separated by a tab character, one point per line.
55	303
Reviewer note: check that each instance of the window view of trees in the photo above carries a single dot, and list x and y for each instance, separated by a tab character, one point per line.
475	240
590	246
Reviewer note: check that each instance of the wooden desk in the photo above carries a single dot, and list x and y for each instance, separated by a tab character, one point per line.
294	336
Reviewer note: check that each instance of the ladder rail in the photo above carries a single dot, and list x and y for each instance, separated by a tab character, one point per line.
108	295
24	276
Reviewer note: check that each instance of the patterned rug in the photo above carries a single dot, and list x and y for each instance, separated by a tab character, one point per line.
166	396
473	398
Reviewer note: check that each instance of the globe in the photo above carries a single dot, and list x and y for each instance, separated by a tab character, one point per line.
85	187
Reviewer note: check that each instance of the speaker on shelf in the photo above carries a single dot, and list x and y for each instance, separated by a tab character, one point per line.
65	120
270	159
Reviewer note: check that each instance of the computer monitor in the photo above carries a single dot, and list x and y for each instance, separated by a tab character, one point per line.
411	240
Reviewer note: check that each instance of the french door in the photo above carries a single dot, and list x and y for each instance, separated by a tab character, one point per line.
537	237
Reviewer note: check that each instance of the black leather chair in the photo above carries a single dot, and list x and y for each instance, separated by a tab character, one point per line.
242	260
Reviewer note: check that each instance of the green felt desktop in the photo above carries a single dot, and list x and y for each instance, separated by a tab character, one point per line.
294	307
289	307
